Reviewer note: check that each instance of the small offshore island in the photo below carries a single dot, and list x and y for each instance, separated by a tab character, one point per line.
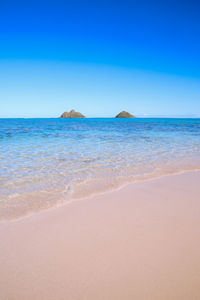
124	114
72	114
75	114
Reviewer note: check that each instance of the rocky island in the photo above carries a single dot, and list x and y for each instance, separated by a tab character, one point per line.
72	114
124	114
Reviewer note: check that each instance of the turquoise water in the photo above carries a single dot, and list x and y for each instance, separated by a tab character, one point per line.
48	162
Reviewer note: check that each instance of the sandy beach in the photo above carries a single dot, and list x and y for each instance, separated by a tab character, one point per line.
140	242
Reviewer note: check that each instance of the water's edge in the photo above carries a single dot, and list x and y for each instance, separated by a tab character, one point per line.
94	195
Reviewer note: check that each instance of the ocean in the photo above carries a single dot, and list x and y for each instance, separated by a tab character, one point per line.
49	162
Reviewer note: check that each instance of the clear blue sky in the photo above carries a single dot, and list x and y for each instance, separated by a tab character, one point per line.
99	57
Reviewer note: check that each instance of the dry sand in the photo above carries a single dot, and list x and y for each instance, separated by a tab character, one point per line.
140	242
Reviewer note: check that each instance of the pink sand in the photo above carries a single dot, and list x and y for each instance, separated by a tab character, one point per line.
141	242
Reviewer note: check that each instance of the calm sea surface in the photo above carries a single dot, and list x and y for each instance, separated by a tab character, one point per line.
48	162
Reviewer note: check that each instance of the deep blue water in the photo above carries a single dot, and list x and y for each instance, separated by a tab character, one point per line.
45	162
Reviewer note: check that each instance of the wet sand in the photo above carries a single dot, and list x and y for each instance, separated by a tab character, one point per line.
141	242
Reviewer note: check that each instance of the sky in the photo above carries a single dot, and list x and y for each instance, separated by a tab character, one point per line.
99	57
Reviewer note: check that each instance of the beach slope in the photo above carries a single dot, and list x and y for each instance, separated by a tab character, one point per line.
140	242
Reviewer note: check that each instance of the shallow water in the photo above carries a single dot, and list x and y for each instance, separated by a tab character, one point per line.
47	162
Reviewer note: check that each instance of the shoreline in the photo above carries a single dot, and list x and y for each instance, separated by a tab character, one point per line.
96	194
139	242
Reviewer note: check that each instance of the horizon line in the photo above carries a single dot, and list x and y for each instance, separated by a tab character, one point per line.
136	117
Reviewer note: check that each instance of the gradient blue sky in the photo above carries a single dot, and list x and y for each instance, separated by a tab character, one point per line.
99	57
